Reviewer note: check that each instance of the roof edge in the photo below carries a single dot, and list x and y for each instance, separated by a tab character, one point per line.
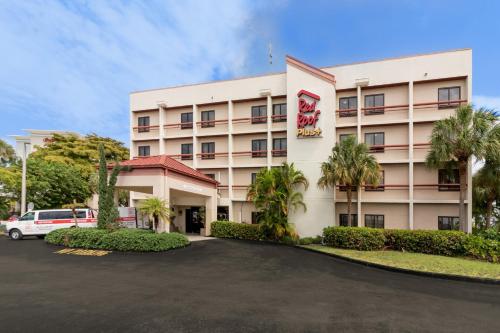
321	74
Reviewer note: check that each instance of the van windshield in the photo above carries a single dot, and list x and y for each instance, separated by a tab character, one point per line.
29	216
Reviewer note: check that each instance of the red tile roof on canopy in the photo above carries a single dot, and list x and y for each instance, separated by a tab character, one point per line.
168	163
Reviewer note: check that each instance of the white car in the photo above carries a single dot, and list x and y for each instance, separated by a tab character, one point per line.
41	222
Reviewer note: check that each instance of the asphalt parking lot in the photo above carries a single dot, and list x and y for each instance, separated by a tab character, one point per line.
228	286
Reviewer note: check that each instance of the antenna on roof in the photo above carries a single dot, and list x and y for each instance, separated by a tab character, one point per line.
270	54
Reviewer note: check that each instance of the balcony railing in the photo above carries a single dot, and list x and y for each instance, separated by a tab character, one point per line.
145	129
211	123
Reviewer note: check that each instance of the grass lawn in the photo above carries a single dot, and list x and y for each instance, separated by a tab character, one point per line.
419	262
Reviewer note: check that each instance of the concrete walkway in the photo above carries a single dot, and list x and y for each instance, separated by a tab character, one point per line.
197	238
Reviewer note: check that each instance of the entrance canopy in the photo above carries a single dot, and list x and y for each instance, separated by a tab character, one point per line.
166	178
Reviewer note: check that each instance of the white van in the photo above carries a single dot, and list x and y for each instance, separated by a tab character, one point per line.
41	222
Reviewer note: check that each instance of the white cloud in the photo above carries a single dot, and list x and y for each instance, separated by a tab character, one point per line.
71	65
491	102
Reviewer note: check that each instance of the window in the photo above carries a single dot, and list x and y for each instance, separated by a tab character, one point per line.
211	175
279	112
342	137
256	217
186	151
186	120
279	147
144	150
374	104
448	180
259	148
259	114
343	188
253	177
208	150
377	140
380	186
448	97
343	220
448	223
374	221
143	123
207	118
348	106
29	216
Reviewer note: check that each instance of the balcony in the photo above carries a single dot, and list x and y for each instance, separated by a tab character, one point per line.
435	110
213	160
212	127
146	132
178	130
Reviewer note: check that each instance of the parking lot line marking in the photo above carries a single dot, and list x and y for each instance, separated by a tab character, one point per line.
83	252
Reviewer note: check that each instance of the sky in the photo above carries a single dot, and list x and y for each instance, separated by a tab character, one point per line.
70	65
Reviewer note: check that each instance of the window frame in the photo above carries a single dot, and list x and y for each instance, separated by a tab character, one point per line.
377	217
447	104
444	183
380	108
279	117
210	122
189	123
189	154
376	149
261	152
354	219
454	224
143	124
353	111
148	149
260	118
279	152
210	155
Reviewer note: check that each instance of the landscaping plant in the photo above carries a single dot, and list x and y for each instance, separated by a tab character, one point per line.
158	211
107	211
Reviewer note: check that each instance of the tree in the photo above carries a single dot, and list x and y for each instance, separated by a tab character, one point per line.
349	165
456	139
7	153
107	211
157	210
73	206
275	194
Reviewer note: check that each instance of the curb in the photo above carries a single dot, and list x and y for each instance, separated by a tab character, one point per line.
408	271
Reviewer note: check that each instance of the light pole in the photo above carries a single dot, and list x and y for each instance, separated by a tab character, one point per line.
23	180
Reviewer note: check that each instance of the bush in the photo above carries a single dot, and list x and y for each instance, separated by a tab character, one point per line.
482	248
490	233
225	229
365	239
120	240
310	240
448	243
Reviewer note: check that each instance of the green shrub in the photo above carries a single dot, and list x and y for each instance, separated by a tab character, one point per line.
365	239
440	242
482	248
225	229
310	240
490	233
120	240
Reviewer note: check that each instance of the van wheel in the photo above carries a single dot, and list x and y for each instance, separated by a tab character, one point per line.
16	234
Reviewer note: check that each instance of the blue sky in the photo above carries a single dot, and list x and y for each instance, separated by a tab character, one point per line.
71	64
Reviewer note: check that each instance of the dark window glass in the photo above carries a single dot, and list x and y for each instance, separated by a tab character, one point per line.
186	151
377	140
253	177
348	106
45	216
448	223
374	221
259	114
448	97
343	220
29	216
144	150
375	104
211	175
256	216
143	123
207	118
279	147
343	188
380	186
279	112
208	150
186	120
62	215
448	180
259	148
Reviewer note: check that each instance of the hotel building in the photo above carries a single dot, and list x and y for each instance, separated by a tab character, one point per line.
230	129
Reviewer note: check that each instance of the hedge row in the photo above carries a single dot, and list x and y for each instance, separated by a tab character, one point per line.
120	240
225	229
447	243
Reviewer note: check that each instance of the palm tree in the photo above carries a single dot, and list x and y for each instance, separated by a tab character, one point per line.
350	165
157	210
7	153
275	194
456	139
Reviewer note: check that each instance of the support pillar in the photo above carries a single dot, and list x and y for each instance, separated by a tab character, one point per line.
410	155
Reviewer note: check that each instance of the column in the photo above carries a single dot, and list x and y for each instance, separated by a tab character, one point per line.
269	133
161	190
230	181
410	155
210	212
195	135
161	129
469	166
361	222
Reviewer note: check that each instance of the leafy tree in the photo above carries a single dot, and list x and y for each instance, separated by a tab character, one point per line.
274	194
456	139
158	210
350	165
7	153
107	211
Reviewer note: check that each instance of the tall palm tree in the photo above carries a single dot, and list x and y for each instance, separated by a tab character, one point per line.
7	153
157	210
350	165
275	194
456	139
